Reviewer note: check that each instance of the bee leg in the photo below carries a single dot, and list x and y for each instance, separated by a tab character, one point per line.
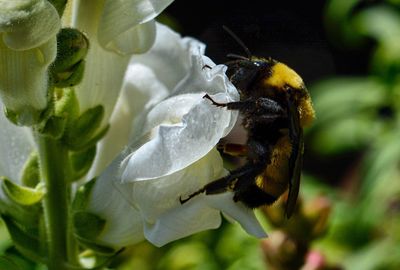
207	96
236	105
182	201
266	106
226	183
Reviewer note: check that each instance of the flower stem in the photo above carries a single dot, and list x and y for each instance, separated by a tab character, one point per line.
54	173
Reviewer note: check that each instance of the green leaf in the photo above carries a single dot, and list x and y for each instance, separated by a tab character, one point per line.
344	97
347	134
27	244
22	195
380	22
88	225
20	260
384	254
337	21
347	113
96	247
7	263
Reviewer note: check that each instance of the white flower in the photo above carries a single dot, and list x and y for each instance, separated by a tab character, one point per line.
116	30
171	132
16	144
28	31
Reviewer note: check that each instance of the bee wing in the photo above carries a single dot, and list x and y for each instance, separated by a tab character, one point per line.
296	157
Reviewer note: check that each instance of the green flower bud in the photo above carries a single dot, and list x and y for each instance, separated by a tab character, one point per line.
67	69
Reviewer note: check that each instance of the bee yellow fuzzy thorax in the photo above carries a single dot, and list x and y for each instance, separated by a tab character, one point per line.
282	75
307	113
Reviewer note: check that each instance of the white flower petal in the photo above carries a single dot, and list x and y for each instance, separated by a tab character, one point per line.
181	222
24	79
170	57
104	70
102	81
26	24
140	91
185	120
120	19
16	144
158	196
150	78
165	218
124	224
138	39
181	138
237	211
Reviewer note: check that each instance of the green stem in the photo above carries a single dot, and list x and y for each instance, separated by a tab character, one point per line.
54	166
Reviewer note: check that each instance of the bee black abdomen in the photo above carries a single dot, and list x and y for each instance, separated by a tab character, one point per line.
252	196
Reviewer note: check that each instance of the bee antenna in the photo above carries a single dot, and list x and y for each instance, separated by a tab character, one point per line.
238	40
237	56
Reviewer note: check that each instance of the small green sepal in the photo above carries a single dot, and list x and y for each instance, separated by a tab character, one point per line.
82	161
27	117
64	109
81	132
88	225
22	195
54	127
30	172
82	196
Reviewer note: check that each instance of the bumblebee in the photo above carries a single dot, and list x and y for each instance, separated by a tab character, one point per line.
275	106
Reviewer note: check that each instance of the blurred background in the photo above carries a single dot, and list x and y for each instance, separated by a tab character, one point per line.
348	53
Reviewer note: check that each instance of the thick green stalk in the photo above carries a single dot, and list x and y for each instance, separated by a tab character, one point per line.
54	167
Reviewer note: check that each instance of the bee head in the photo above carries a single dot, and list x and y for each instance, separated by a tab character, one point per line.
244	72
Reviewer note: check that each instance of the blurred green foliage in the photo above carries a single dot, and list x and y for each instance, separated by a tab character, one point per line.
356	115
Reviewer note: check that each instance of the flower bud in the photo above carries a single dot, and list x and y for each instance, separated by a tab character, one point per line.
27	48
67	69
